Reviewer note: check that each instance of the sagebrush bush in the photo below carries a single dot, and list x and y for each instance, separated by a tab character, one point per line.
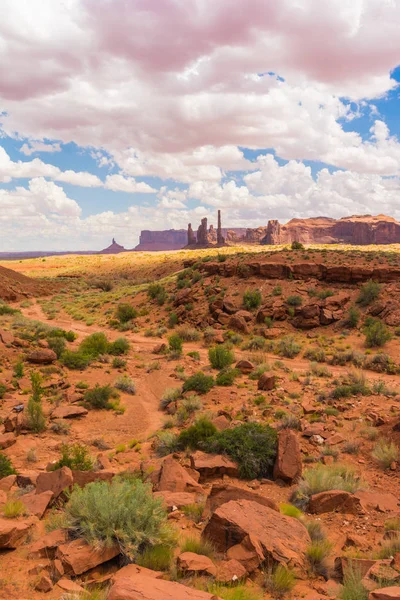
353	385
323	478
165	443
57	344
175	344
100	397
294	300
197	546
317	553
199	382
119	347
315	354
121	512
6	467
74	456
352	318
197	435
125	313
94	344
157	292
376	333
156	558
227	376
125	384
170	395
251	445
220	357
279	581
368	293
74	359
252	299
188	334
297	245
288	347
353	588
35	417
386	453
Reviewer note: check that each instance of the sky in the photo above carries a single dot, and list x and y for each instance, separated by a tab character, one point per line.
123	115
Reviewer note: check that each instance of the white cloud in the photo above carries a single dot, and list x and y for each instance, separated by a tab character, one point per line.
127	184
37	146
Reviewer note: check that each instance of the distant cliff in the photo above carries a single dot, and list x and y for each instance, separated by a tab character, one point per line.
358	230
171	239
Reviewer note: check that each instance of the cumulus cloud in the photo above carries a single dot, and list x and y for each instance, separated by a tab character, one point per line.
37	146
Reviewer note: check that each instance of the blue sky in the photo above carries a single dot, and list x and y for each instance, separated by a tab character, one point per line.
113	132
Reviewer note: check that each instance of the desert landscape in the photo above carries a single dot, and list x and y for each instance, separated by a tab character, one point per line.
216	423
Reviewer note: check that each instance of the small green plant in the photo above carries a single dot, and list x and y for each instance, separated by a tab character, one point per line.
252	299
227	376
156	558
317	553
125	313
6	467
100	397
197	435
175	345
198	546
170	395
352	318
297	245
14	508
220	357
353	588
288	347
277	290
3	390
19	370
57	344
376	333
188	334
35	416
122	512
194	512
74	456
165	443
74	359
118	363
119	347
294	300
157	292
125	384
291	511
369	292
199	382
173	320
386	453
323	478
279	581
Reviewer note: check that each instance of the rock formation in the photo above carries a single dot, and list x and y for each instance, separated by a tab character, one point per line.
220	237
172	239
202	233
114	248
191	237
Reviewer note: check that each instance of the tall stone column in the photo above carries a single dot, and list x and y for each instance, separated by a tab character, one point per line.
190	235
220	238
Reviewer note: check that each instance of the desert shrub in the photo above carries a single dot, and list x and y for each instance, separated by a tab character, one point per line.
103	284
323	478
199	382
195	355
352	318
74	359
122	512
5	309
290	422
35	417
376	333
94	344
354	385
259	370
100	396
368	293
197	435
3	390
255	343
173	320
277	290
14	508
227	376
341	358
353	588
118	363
315	354
381	363
125	384
351	447
294	300
297	245
279	581
235	592
315	530
288	347
175	344
198	546
252	299
389	548
319	370
251	445
6	467
191	404
74	456
317	553
170	395
165	443
385	453
60	427
57	344
157	292
119	347
289	510
194	512
188	334
220	357
156	558
125	312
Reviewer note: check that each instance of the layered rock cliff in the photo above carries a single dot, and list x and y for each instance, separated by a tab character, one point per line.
172	239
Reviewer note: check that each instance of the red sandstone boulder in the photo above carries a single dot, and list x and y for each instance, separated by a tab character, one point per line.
14	533
174	478
82	478
380	501
281	539
69	412
7	440
221	423
224	492
209	465
36	504
6	337
142	587
238	324
78	556
44	356
6	483
189	562
55	481
244	366
334	501
230	571
266	382
174	500
386	593
47	545
288	464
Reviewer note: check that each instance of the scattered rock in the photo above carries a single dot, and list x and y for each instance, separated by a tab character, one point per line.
288	464
14	533
44	584
386	593
209	465
47	545
44	356
334	501
174	500
7	440
36	504
224	492
69	412
142	587
174	478
78	556
189	562
55	481
245	366
230	571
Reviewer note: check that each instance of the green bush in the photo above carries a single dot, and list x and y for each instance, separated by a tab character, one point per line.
125	313
227	376
74	359
315	354
119	347
354	385
175	344
368	293
6	467
252	299
188	334
121	512
170	395
294	300
297	246
352	318
386	453
165	443
279	581
35	417
251	445
5	309
199	382
288	347
323	478
197	435
220	357
353	588
156	558
376	333
75	456
157	292
94	344
3	390
125	384
317	553
99	397
173	320
198	546
57	344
